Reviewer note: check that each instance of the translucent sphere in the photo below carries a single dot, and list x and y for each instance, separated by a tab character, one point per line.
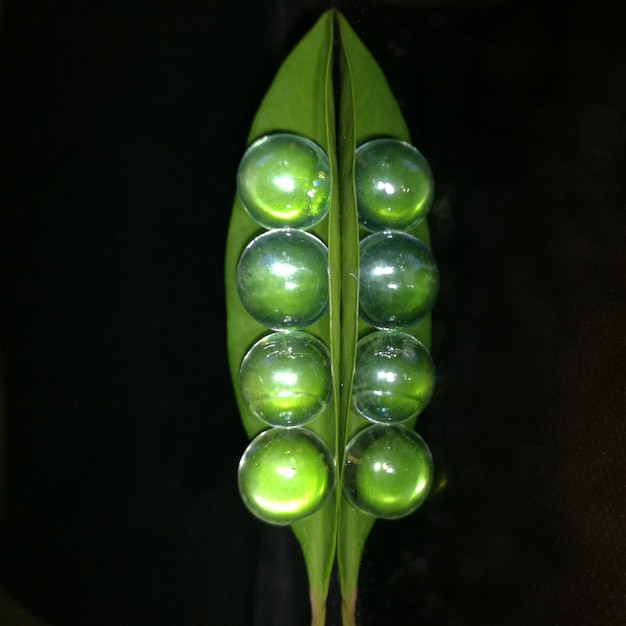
394	377
286	475
398	281
282	279
284	181
394	185
285	378
388	471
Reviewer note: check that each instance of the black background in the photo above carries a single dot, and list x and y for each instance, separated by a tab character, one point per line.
122	125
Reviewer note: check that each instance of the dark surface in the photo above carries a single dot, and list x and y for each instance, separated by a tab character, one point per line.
122	125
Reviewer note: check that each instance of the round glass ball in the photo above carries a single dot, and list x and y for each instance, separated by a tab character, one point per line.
398	280
394	185
282	279
394	377
388	471
285	378
284	181
285	475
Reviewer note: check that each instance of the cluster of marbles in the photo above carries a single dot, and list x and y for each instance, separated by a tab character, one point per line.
287	472
388	467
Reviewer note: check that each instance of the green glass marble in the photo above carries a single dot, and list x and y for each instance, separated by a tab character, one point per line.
388	471
394	185
282	279
285	378
394	377
398	280
285	475
284	181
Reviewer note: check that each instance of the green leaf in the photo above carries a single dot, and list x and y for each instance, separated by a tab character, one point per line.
301	100
368	110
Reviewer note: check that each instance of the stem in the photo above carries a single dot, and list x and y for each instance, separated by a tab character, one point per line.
348	610
318	610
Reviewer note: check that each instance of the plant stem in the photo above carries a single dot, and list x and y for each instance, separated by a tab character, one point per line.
348	610
318	610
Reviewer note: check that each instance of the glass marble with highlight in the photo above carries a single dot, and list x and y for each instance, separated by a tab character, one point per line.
285	378
394	185
394	377
286	475
284	181
388	471
398	280
282	279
